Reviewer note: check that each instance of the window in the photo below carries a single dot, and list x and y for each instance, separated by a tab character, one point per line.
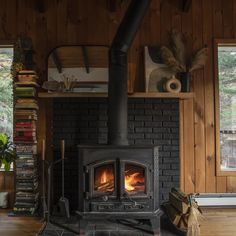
226	107
6	91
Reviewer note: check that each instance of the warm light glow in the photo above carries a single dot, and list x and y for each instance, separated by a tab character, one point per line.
130	181
104	177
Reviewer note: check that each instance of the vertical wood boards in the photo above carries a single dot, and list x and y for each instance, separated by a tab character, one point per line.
84	22
7	184
210	156
187	163
199	102
217	26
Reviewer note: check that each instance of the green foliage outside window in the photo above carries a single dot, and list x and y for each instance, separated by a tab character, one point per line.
6	91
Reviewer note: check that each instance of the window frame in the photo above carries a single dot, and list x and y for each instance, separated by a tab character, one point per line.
218	42
6	44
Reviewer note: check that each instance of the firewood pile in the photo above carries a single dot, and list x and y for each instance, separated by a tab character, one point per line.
183	212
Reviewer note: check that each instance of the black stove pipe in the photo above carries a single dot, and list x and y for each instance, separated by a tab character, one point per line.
117	88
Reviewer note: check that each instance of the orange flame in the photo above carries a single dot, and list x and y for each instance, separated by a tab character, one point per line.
130	180
104	177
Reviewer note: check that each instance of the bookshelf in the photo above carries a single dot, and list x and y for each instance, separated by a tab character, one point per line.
25	139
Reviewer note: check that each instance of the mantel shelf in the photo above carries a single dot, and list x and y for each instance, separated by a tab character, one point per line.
133	95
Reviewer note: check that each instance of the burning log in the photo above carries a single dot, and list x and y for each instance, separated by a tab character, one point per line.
105	187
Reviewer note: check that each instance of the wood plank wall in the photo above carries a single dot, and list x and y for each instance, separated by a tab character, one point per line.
91	22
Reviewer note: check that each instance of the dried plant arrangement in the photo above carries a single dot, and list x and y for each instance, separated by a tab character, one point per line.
176	61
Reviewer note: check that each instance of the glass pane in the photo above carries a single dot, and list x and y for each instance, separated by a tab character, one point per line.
6	91
134	179
227	93
104	179
6	94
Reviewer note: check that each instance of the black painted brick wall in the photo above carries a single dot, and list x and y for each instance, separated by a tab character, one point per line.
84	121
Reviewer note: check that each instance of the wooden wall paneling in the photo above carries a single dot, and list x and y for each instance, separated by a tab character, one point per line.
44	131
30	14
231	184
41	42
188	147
217	19
155	22
136	56
44	125
188	36
62	18
181	145
11	19
60	24
135	65
21	16
199	117
234	19
227	11
10	187
71	22
217	26
221	184
2	20
176	16
209	102
98	22
82	22
167	22
51	25
2	181
7	184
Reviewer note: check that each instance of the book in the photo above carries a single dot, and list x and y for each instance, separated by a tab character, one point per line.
25	91
26	124
26	103
27	83
27	72
25	133
23	149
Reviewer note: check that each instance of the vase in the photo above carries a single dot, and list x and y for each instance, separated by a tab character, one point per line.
184	78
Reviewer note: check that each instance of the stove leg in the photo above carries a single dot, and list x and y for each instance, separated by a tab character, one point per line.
156	225
82	227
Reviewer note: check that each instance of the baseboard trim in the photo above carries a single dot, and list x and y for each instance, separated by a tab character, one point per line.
216	200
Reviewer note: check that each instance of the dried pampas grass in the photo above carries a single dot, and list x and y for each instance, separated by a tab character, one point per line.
175	59
179	48
199	59
170	60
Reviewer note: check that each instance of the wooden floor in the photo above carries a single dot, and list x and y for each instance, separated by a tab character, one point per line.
18	226
218	222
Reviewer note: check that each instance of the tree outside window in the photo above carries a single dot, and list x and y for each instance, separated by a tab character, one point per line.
6	91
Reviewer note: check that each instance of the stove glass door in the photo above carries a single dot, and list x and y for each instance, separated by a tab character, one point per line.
134	179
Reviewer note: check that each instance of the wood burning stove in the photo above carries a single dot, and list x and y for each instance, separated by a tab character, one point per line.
119	182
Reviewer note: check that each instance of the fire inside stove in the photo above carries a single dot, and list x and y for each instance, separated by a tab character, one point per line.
104	179
134	179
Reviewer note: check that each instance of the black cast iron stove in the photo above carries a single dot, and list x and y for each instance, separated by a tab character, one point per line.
118	180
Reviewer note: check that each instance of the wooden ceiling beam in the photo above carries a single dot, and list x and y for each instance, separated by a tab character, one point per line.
186	5
57	61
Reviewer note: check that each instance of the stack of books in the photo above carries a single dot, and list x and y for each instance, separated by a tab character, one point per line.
27	78
25	139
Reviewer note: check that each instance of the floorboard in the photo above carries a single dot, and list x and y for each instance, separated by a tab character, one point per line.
218	222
